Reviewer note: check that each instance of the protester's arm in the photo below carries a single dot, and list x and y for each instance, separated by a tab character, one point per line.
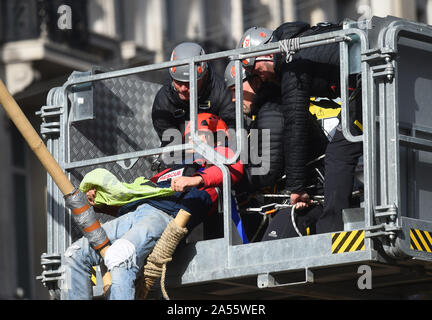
106	209
183	183
212	176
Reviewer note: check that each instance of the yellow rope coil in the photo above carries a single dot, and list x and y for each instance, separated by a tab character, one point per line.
162	254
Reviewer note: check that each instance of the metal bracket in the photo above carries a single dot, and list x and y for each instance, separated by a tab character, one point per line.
382	230
267	280
388	229
387	211
51	274
50	120
81	97
383	62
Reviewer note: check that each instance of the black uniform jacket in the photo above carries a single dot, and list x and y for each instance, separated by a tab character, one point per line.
170	112
312	72
268	110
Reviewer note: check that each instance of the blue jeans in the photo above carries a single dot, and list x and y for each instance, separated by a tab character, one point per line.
132	237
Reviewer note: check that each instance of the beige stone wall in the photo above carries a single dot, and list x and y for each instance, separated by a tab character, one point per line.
399	8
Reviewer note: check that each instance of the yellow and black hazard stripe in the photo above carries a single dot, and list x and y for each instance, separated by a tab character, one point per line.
420	240
93	276
348	241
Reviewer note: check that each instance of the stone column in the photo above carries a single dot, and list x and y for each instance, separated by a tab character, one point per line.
324	11
276	13
429	12
155	28
18	76
196	20
399	8
236	20
289	10
102	17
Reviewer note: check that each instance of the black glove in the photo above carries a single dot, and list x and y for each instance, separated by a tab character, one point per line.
158	165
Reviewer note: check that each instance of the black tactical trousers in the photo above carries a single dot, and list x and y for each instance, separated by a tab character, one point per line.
340	162
280	225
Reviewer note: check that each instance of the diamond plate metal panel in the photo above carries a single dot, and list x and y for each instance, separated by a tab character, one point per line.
122	123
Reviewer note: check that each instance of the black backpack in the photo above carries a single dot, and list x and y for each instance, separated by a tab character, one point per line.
295	29
290	30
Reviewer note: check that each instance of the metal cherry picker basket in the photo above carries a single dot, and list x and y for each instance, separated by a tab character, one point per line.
102	119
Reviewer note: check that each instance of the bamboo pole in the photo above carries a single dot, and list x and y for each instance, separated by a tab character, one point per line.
54	170
41	151
34	141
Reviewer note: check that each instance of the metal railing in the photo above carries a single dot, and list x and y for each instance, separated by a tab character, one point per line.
381	139
341	36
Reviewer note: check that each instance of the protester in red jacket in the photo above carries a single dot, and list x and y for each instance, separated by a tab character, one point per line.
141	223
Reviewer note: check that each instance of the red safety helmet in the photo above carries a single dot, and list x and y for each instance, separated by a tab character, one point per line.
208	122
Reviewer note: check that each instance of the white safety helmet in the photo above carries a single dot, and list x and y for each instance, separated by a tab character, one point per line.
254	37
187	50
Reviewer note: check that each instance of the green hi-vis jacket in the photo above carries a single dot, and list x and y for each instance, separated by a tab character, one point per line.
110	191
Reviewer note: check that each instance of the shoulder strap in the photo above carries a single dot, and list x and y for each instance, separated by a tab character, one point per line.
322	27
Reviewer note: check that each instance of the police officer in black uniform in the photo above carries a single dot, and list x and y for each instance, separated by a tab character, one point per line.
310	72
171	105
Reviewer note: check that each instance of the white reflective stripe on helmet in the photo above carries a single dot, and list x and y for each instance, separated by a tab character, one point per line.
262	58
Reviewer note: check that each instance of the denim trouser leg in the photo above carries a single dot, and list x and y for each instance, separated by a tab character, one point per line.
79	258
133	236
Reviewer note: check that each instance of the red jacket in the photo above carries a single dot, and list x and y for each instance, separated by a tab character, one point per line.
199	202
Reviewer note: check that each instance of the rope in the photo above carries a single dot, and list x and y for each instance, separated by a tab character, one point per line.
162	254
289	47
